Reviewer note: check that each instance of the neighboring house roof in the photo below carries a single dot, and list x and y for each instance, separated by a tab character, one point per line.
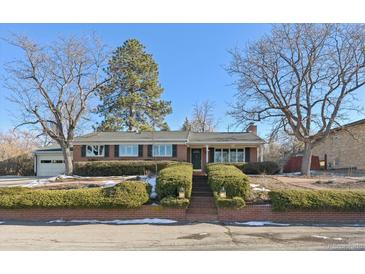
223	137
343	127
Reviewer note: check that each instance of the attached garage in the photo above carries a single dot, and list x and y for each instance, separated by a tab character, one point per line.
49	161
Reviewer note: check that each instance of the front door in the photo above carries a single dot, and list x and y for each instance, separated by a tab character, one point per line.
196	158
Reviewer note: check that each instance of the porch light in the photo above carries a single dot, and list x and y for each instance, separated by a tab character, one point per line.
181	193
223	193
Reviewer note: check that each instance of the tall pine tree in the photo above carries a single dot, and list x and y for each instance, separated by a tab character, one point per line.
131	98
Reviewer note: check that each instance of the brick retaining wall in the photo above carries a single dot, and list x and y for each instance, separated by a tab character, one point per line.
248	213
43	214
265	213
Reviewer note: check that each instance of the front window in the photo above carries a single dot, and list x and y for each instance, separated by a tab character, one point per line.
94	151
229	155
163	150
128	150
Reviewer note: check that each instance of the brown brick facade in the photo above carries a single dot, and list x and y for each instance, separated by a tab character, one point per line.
253	154
181	155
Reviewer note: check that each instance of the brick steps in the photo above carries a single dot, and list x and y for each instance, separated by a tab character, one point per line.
202	207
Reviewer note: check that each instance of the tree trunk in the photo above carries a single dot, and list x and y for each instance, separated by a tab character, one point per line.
67	156
307	159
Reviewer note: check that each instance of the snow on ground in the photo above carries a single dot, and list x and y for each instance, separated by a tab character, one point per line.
256	187
109	183
152	182
326	238
260	223
118	222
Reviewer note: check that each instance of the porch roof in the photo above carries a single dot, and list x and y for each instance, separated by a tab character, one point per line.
224	138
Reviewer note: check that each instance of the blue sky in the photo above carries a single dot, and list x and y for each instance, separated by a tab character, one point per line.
191	59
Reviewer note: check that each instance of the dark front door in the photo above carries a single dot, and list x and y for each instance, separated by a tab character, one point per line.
196	158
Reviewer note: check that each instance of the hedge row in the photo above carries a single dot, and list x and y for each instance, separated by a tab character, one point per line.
174	202
130	194
174	177
267	167
232	180
342	200
118	168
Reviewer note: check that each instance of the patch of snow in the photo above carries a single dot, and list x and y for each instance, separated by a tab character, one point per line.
154	204
152	182
326	238
1	222
119	222
256	187
109	183
320	237
260	223
34	183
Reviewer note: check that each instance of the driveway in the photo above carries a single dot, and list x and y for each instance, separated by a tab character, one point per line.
7	181
181	236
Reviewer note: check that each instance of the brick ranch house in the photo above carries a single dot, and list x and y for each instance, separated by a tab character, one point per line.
344	148
196	148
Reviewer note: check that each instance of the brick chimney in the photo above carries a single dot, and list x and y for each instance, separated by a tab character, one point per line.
252	128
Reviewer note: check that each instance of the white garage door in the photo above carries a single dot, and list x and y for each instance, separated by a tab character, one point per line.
50	165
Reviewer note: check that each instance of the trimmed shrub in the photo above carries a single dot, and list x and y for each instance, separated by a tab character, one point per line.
172	178
342	200
235	202
118	168
268	168
174	202
234	182
130	194
231	178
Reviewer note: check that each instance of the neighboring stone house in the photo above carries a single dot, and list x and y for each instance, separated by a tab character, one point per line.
196	148
343	148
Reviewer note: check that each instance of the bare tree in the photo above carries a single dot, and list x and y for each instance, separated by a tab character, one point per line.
203	119
53	84
302	78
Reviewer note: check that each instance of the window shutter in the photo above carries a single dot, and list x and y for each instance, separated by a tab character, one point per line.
247	154
140	150
83	151
211	154
116	151
149	151
174	150
106	152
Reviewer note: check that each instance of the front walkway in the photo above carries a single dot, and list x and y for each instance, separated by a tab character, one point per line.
202	207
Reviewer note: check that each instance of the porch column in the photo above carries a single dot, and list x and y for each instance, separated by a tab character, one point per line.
206	153
261	153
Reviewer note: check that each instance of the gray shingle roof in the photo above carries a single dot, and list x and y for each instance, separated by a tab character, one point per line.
211	137
144	136
172	136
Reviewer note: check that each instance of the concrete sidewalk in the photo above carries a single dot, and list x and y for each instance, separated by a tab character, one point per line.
181	236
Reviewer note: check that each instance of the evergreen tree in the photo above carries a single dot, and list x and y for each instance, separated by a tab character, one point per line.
186	125
131	97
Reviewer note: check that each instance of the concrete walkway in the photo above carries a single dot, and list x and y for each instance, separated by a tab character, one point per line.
189	236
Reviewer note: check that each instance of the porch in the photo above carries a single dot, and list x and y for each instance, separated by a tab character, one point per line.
202	154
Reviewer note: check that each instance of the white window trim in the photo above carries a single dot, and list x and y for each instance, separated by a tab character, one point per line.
98	150
229	154
128	155
159	145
